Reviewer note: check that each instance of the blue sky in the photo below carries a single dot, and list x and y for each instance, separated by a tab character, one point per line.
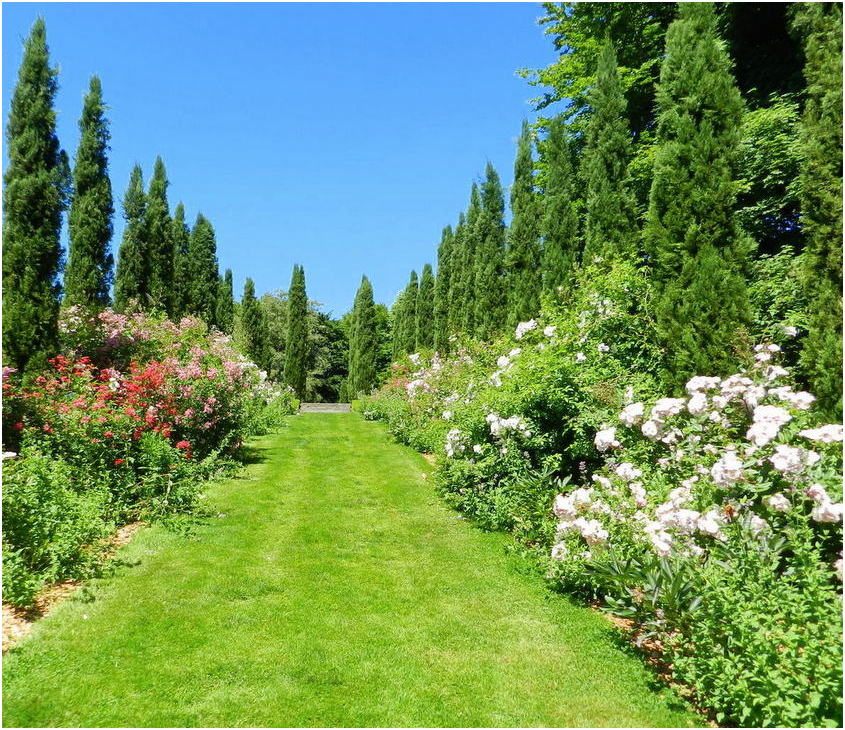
339	136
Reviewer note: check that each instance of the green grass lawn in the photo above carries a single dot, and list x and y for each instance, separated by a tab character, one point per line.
333	589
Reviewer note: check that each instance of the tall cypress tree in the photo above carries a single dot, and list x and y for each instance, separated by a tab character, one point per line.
202	269
470	239
296	345
698	252
610	227
560	213
363	342
226	304
424	324
490	296
821	199
524	276
397	315
88	274
408	324
442	292
132	279
159	241
253	326
181	236
34	197
457	273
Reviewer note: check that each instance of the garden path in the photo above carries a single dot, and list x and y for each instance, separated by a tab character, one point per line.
332	588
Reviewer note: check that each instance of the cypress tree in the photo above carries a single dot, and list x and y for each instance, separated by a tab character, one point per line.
560	214
363	342
821	200
470	238
490	296
296	346
181	236
424	324
697	249
408	325
203	272
253	326
88	275
34	198
159	242
131	280
610	228
457	272
442	292
523	257
397	313
226	304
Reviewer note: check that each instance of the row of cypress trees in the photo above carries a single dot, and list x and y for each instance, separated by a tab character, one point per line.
490	277
163	264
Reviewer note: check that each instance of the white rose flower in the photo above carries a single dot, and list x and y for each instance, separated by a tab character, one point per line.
606	439
632	414
778	502
828	434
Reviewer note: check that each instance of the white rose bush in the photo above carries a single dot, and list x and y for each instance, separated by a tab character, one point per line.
710	518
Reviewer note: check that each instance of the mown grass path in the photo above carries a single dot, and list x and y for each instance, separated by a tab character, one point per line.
336	591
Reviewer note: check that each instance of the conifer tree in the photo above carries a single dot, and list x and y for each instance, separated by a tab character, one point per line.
131	279
226	304
397	316
296	345
524	280
424	324
159	242
610	227
89	270
407	324
560	213
490	297
181	236
34	197
471	243
363	342
203	283
697	249
442	292
821	200
457	273
253	327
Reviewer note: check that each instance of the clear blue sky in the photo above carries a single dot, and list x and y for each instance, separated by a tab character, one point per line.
339	136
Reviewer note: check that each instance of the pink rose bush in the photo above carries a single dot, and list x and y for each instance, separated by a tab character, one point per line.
125	425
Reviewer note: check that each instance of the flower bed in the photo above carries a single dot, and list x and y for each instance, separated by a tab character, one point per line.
126	425
712	520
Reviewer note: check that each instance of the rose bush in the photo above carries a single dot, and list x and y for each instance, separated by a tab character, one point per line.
711	519
126	424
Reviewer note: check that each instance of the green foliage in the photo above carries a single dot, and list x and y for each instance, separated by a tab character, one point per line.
132	278
560	212
524	275
88	274
467	242
405	318
770	160
34	197
363	342
489	295
225	317
204	280
457	278
252	327
821	198
51	525
610	228
446	253
637	31
296	349
424	324
181	236
697	250
159	242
